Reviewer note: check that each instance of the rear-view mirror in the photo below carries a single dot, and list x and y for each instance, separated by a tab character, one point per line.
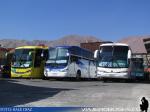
129	54
96	52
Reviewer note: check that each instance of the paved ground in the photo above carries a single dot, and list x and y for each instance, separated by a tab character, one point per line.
36	92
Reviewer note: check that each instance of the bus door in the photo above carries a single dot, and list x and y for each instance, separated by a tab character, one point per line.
92	69
84	66
89	69
39	62
71	66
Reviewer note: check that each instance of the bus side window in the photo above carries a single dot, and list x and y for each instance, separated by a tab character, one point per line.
38	58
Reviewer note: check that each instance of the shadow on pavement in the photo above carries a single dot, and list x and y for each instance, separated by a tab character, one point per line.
13	94
72	79
127	81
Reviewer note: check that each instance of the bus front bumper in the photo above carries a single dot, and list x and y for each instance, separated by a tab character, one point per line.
20	73
55	74
112	75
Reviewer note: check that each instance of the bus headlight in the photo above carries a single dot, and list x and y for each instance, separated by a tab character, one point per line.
64	70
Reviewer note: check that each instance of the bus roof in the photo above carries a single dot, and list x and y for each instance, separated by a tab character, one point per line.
72	47
114	44
64	46
32	47
67	46
78	51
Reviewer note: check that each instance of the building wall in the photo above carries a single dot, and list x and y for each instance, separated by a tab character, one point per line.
92	46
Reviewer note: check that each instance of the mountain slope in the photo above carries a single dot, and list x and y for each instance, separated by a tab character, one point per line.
67	40
136	43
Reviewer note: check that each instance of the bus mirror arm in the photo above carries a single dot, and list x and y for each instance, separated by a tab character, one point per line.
96	54
129	54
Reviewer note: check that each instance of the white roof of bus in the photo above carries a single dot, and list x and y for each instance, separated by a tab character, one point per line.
114	44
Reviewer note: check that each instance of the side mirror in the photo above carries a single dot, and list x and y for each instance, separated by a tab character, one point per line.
96	53
129	54
67	54
42	55
6	54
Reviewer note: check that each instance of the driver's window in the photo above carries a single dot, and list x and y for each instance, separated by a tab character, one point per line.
73	59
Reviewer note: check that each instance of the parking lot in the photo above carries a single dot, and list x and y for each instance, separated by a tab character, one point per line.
37	92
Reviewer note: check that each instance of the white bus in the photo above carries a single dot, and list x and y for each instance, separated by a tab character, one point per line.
113	61
70	61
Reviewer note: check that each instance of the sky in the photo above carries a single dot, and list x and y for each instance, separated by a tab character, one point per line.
53	19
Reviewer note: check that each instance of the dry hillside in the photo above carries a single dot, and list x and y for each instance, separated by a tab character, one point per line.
67	40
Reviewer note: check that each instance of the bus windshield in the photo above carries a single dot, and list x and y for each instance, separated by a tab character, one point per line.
113	57
58	57
22	58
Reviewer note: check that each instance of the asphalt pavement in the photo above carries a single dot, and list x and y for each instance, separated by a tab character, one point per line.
53	93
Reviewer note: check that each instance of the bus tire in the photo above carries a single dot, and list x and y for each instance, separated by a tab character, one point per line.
78	75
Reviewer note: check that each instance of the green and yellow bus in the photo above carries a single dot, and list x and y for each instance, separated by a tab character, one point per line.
29	61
